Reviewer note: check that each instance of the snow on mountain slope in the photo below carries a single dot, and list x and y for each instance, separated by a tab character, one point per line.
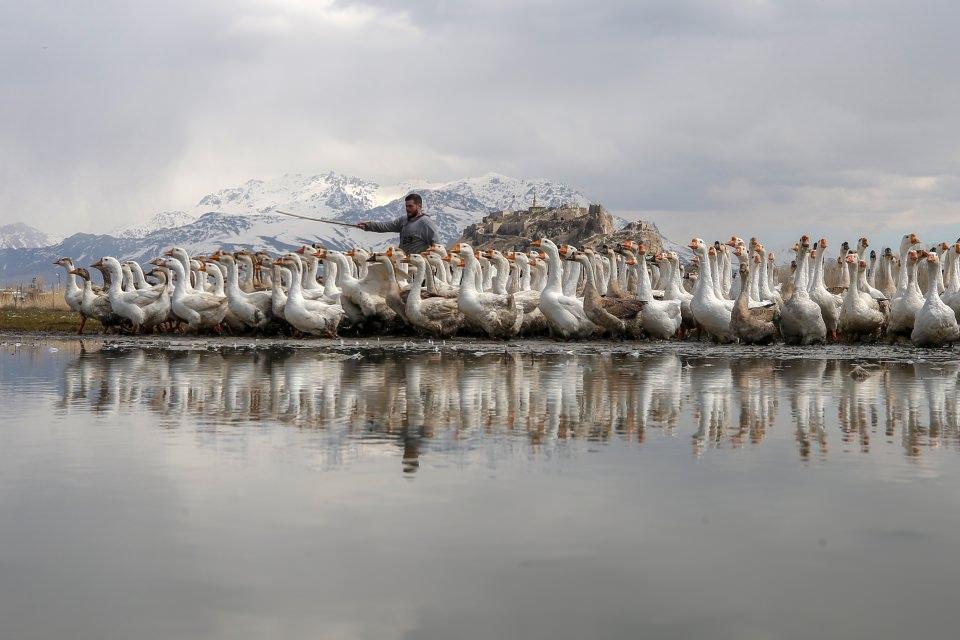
322	195
162	220
22	236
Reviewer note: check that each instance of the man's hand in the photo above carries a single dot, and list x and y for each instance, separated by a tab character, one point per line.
362	226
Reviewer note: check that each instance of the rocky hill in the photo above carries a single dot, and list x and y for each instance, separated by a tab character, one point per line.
580	226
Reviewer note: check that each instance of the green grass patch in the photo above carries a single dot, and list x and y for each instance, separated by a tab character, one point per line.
47	320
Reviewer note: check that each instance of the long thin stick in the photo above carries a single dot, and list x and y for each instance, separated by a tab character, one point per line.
296	215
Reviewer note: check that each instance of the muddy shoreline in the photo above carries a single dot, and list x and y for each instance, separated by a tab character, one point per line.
399	345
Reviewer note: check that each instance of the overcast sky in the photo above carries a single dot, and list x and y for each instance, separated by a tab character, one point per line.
741	116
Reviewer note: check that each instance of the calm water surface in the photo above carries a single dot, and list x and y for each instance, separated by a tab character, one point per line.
149	493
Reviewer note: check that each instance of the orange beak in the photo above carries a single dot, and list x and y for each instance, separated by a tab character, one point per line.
168	252
456	247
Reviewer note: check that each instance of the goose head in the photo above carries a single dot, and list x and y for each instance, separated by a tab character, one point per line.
108	263
81	271
179	253
908	241
464	250
224	258
863	243
359	256
64	262
698	246
394	255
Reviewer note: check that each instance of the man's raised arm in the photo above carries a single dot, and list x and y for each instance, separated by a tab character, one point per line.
393	226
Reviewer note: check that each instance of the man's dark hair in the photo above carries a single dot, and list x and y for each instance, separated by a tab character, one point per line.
415	197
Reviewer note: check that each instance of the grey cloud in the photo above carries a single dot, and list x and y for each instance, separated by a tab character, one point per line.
756	117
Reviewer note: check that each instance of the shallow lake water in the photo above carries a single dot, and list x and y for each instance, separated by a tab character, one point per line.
202	491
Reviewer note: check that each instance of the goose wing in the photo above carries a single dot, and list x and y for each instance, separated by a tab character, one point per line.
623	308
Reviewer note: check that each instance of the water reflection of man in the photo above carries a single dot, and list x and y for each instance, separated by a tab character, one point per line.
411	448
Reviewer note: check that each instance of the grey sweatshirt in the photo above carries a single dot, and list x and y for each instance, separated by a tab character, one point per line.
415	235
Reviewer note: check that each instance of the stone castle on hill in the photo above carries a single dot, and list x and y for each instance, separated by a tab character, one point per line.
589	226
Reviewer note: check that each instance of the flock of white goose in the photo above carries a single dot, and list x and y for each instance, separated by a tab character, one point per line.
561	291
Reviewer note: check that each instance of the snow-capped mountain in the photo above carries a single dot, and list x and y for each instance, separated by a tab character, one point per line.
244	216
22	236
162	220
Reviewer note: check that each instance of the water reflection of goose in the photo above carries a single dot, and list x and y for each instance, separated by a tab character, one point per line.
807	403
857	409
712	386
437	401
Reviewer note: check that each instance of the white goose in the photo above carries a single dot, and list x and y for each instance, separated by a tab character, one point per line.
904	308
369	291
710	311
936	323
436	316
829	303
95	303
199	309
497	315
801	321
951	294
72	292
660	318
564	314
280	277
253	309
858	320
129	305
309	316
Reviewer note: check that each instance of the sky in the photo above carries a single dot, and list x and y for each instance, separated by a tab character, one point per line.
743	117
